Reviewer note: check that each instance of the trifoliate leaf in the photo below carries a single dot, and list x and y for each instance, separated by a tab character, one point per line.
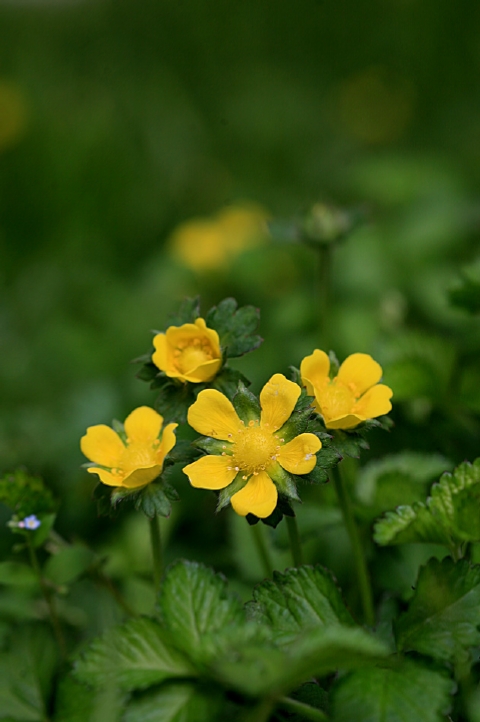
297	600
403	693
180	702
132	656
235	327
449	515
258	669
196	607
443	618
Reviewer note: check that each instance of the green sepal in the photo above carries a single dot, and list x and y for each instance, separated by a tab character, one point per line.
235	327
120	429
183	452
443	618
246	404
282	509
225	495
212	446
284	481
188	312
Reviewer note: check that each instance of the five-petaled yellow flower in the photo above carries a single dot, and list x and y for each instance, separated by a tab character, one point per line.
132	461
189	353
353	396
253	452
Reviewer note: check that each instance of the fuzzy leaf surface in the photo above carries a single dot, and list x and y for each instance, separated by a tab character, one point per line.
197	609
297	600
235	326
443	618
407	693
133	656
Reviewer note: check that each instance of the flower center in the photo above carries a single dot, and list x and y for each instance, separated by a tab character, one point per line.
138	456
191	356
336	400
254	449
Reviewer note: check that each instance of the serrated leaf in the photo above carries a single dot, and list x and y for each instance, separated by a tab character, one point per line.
227	381
349	443
403	693
297	600
196	607
153	499
443	618
77	703
188	311
132	656
449	515
173	399
181	702
235	327
257	669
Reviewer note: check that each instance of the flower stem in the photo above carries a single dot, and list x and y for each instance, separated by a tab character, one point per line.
294	538
157	552
262	550
363	577
304	710
47	595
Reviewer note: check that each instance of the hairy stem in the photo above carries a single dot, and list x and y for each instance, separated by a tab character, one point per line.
157	552
360	562
49	599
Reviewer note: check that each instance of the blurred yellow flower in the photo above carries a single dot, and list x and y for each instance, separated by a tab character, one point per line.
353	396
254	453
134	458
211	243
189	353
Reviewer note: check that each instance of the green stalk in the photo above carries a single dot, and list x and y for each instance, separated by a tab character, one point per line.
294	538
262	550
157	553
47	595
304	710
361	568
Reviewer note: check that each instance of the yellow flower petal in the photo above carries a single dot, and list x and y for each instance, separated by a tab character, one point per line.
347	421
213	414
359	372
106	477
143	425
259	496
277	399
211	472
102	445
314	370
298	456
167	443
160	357
375	402
204	372
141	477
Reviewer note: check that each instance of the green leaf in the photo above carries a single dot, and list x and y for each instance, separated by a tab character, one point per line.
26	672
180	702
77	703
188	311
17	574
132	656
235	327
69	564
196	608
443	618
350	443
173	400
297	600
466	292
227	382
449	515
258	669
403	693
153	499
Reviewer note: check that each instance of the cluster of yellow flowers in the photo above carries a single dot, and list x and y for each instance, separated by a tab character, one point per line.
252	452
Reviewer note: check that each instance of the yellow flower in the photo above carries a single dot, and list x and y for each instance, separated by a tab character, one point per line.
211	243
189	353
132	459
252	453
353	396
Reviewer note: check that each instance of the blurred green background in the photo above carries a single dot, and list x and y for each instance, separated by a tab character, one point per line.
121	119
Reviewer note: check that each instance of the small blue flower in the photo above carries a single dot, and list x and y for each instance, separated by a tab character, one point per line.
30	522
